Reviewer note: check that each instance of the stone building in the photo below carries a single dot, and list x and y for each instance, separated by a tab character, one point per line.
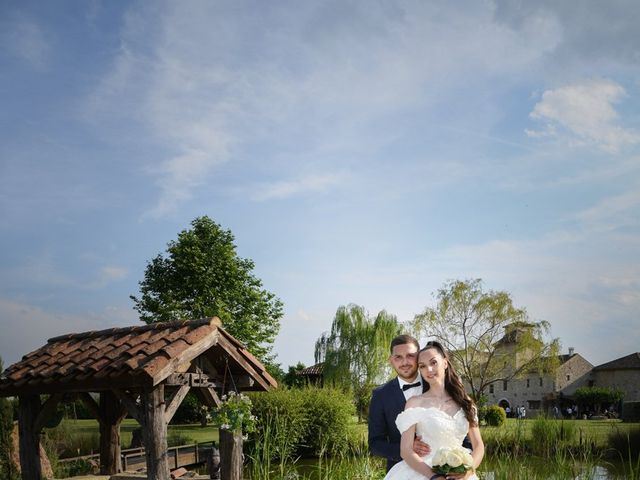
541	392
622	374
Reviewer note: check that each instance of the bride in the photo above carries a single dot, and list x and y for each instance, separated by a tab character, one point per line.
441	416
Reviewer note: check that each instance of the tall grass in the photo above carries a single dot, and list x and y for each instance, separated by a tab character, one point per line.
271	457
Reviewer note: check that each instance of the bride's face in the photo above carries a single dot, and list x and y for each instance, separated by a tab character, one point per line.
432	365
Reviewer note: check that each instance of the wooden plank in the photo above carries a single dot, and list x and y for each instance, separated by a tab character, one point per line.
174	402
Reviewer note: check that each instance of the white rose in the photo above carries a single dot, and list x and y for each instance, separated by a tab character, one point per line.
467	459
454	459
440	457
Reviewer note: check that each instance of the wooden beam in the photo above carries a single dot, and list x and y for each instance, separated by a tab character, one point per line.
187	355
154	429
47	409
111	411
91	404
209	396
130	404
244	381
198	380
250	369
29	408
174	402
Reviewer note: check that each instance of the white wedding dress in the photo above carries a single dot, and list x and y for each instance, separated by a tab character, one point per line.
436	428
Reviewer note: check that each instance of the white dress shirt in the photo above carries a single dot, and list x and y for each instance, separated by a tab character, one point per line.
411	392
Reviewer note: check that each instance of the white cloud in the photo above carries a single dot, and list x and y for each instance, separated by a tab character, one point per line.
304	185
584	112
613	212
25	40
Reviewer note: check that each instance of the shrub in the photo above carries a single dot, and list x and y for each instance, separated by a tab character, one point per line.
329	413
7	468
303	421
495	416
281	423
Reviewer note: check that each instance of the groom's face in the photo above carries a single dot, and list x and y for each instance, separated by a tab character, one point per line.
404	360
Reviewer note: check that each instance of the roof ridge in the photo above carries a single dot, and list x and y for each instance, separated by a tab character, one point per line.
137	329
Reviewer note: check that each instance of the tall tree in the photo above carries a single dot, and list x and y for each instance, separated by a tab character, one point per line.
489	338
200	276
356	350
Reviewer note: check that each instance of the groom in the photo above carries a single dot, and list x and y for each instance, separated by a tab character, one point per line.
388	400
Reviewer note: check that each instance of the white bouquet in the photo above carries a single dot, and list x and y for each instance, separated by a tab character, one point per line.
452	460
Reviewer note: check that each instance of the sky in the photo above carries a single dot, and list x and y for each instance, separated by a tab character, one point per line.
361	151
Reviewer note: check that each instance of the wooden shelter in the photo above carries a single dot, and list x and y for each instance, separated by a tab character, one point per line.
144	371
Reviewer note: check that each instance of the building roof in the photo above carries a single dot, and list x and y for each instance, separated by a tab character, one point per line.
132	357
316	369
630	362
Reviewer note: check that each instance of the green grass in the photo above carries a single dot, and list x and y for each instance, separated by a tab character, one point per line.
86	428
596	431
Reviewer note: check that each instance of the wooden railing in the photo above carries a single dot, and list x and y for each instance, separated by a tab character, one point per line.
180	456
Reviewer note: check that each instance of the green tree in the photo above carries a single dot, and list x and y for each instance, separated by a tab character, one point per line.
356	350
292	377
201	275
488	338
598	397
7	468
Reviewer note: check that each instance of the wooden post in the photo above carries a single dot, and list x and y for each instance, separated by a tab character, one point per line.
29	437
111	415
155	434
231	454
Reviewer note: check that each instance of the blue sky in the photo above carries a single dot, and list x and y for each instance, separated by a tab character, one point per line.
360	151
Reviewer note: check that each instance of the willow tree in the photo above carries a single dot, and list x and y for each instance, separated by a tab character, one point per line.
489	339
355	351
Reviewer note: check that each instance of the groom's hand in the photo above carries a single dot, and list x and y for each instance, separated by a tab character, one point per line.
421	448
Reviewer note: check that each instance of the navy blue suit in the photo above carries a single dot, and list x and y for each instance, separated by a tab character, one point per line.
387	401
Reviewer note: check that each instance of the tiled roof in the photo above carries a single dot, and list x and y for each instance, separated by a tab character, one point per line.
629	362
316	369
130	357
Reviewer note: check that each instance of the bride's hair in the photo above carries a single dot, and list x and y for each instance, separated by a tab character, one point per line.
453	385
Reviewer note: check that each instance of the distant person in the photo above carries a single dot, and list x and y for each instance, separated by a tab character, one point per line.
442	416
388	400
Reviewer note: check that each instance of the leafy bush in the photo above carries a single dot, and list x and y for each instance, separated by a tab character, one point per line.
329	413
303	421
281	423
494	415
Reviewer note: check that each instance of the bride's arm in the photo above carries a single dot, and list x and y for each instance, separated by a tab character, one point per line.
411	457
478	446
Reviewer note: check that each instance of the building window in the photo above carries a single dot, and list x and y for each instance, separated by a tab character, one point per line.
568	377
528	383
504	385
540	381
491	388
591	383
534	404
